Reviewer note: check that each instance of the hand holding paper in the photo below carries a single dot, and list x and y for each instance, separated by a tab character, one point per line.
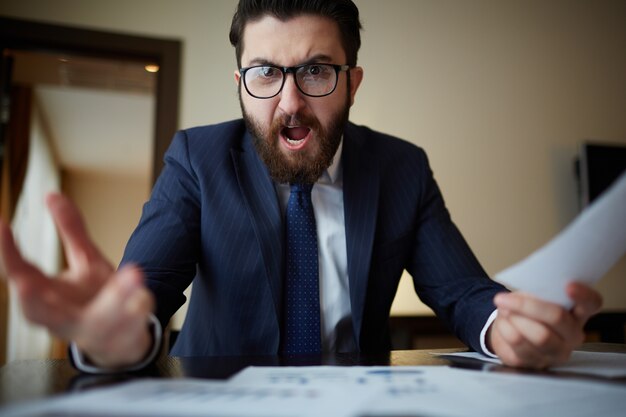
583	252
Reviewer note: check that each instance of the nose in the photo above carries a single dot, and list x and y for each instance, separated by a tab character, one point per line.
291	99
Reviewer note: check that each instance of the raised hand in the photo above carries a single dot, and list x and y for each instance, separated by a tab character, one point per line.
104	311
532	333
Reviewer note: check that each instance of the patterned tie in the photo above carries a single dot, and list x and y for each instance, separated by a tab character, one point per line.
301	333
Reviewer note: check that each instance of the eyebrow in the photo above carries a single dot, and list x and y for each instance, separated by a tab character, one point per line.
315	59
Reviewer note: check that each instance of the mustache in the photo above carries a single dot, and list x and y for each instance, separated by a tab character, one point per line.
291	120
296	119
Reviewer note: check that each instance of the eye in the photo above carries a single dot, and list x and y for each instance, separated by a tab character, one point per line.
314	70
268	72
317	72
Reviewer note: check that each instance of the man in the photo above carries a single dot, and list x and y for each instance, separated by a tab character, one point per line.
222	214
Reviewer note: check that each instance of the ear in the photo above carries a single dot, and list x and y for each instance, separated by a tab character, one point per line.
237	77
356	76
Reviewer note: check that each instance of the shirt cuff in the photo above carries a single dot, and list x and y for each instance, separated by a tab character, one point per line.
483	335
83	364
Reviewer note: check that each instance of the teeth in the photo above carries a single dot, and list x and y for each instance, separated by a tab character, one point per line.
294	142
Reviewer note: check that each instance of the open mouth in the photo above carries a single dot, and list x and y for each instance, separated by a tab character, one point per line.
295	136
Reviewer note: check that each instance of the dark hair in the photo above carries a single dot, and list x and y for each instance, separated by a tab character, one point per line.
344	12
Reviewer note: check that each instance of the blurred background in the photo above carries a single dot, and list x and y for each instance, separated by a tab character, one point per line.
500	94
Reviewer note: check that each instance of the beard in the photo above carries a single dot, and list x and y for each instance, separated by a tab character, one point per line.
300	167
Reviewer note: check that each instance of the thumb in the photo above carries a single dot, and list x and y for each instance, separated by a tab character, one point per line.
587	301
125	282
110	300
108	323
108	305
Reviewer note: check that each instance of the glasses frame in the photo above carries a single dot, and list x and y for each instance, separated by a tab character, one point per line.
293	70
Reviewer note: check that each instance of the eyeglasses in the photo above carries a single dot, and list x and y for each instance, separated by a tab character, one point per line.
313	80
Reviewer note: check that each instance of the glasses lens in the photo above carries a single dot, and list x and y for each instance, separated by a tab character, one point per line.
263	81
316	79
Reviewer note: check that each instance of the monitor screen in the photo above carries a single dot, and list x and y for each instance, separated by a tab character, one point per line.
600	165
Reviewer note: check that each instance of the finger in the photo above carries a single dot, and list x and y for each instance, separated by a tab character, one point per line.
80	250
133	321
540	332
552	315
118	289
109	308
51	303
44	301
587	301
48	308
48	303
117	320
17	268
512	348
29	277
62	307
544	341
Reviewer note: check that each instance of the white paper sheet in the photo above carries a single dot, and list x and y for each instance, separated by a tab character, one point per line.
443	391
455	393
344	392
604	364
195	397
584	251
313	376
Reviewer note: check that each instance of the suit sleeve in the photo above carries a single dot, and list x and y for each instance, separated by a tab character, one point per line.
166	242
446	274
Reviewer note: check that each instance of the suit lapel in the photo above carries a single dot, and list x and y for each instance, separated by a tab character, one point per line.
360	195
260	196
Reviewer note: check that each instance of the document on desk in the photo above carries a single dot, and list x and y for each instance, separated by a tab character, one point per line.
343	392
444	391
584	251
288	376
186	397
457	392
604	364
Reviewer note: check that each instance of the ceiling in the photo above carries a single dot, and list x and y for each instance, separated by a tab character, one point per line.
99	113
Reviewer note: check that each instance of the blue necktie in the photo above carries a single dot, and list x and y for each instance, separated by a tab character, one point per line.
301	332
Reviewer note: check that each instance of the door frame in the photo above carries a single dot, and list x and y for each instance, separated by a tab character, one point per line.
44	37
27	35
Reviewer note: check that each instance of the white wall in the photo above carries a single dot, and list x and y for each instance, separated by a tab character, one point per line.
499	93
111	206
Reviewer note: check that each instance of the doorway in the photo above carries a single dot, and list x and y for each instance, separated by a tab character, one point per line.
97	73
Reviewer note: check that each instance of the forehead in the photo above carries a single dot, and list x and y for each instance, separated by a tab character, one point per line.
292	42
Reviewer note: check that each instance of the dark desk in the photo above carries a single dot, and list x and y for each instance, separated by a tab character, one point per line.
34	379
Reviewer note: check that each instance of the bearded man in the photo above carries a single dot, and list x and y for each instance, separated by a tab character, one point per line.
293	224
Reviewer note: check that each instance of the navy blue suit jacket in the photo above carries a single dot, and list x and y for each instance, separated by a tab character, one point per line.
214	218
